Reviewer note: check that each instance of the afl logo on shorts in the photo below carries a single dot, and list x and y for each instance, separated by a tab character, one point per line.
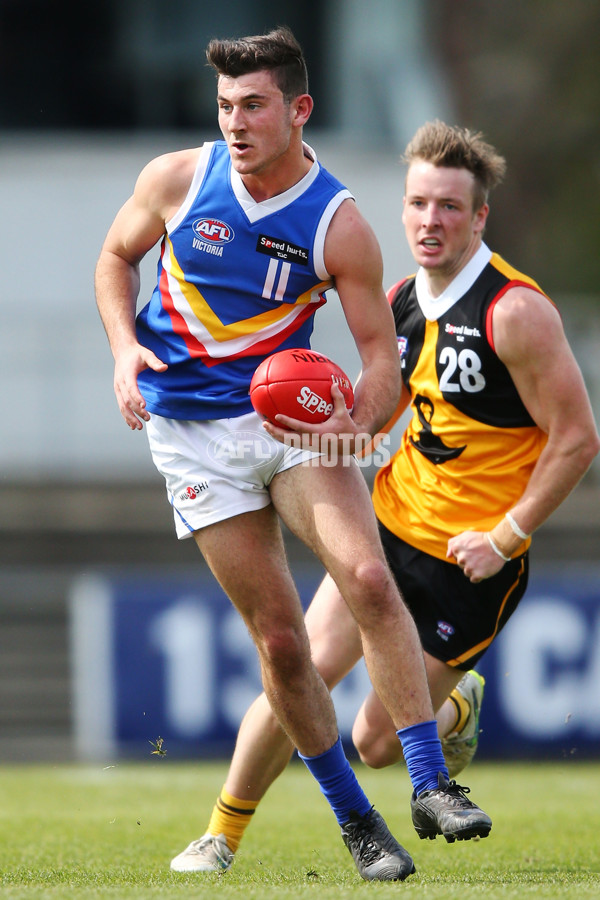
214	231
242	449
444	630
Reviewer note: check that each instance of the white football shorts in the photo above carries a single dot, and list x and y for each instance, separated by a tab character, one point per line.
219	468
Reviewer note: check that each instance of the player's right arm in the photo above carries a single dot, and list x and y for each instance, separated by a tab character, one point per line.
137	227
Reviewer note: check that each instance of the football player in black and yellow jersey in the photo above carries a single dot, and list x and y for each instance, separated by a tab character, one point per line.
501	432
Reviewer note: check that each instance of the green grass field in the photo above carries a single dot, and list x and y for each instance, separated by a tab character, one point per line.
93	832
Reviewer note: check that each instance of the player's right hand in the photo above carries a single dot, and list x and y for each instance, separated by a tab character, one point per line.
474	555
127	368
335	436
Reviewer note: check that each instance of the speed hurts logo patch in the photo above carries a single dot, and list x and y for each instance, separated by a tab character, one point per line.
279	248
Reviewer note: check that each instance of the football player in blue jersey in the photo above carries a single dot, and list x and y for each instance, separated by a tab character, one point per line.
183	368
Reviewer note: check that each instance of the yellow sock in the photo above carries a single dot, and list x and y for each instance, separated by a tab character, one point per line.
231	817
463	711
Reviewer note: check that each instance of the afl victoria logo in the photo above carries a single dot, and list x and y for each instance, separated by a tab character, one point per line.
214	231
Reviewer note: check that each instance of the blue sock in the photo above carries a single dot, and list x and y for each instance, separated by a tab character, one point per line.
423	755
338	782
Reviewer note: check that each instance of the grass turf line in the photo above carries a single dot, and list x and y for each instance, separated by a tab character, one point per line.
111	832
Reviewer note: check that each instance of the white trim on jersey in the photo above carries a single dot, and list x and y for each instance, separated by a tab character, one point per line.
199	173
255	211
322	228
434	307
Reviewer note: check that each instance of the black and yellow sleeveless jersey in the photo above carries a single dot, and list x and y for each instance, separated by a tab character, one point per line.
470	447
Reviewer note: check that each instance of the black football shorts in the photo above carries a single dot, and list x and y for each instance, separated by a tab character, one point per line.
456	620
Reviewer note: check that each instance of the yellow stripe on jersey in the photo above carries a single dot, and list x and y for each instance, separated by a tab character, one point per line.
217	329
513	274
424	373
483	469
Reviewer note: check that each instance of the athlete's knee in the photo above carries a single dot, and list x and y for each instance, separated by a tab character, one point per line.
378	608
377	750
284	650
374	582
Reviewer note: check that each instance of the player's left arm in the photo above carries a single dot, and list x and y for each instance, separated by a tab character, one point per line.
353	258
403	402
376	440
530	340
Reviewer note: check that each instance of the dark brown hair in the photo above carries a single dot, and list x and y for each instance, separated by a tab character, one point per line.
278	51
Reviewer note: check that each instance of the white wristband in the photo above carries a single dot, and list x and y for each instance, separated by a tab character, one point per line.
518	531
496	549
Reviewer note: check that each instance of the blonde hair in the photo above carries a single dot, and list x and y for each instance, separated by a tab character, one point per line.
458	148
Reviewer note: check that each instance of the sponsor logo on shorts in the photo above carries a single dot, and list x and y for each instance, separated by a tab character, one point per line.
192	491
246	449
445	630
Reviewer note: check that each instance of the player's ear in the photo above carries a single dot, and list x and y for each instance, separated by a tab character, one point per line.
481	218
303	107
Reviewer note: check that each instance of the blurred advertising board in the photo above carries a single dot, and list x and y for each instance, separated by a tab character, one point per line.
165	655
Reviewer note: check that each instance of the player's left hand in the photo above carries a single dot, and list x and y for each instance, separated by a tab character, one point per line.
474	556
336	435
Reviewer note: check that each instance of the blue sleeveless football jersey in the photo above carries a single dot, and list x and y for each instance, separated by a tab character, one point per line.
237	280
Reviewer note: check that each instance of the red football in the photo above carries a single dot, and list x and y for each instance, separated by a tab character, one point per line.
297	383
